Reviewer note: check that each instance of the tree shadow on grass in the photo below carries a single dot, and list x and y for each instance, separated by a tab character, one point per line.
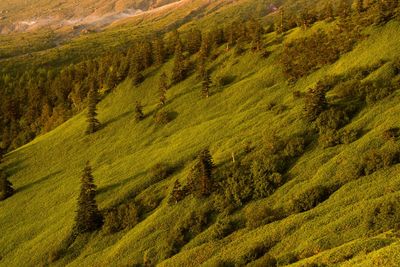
115	119
13	167
45	178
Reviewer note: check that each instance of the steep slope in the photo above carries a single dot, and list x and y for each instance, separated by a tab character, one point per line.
46	171
19	16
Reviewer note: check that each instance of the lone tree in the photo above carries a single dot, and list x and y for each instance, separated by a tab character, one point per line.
93	123
163	87
205	90
315	102
200	177
6	189
88	217
139	111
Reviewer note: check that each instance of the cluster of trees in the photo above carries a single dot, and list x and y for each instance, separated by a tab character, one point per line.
35	100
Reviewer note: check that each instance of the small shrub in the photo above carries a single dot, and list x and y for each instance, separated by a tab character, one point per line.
294	147
261	215
331	119
271	105
348	136
224	227
223	80
125	216
253	254
297	94
287	259
162	117
391	134
376	159
138	79
330	138
384	216
310	198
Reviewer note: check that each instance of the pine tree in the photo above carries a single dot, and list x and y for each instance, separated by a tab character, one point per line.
158	51
194	39
88	217
6	189
255	31
93	122
206	167
200	176
205	90
139	111
178	71
315	102
163	87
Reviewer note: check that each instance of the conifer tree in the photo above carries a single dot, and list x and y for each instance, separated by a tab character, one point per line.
194	41
205	90
206	167
163	87
139	111
93	122
200	176
315	102
158	51
178	71
88	217
6	188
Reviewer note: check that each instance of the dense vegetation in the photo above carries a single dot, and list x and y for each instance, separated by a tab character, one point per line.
227	162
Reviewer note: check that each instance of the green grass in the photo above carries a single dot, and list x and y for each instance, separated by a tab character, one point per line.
46	171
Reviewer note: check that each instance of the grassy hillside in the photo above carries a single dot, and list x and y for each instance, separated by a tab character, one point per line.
46	171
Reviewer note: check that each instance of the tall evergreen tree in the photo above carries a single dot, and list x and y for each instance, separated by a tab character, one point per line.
194	41
178	71
206	167
139	111
158	51
206	83
6	188
200	176
315	102
162	88
93	122
88	217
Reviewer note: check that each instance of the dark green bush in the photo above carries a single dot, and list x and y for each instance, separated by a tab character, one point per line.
162	117
125	216
287	259
384	216
376	159
260	215
224	80
256	252
331	119
224	227
294	147
310	198
184	230
329	138
391	134
348	136
237	187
